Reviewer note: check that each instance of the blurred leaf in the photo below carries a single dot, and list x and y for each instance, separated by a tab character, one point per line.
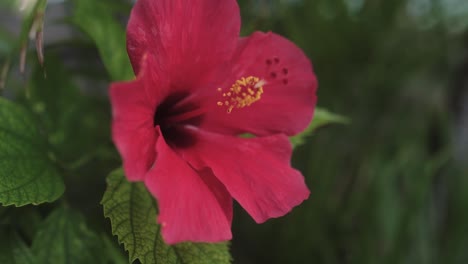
322	117
116	256
7	4
13	250
64	238
132	211
27	219
76	124
6	42
95	19
26	173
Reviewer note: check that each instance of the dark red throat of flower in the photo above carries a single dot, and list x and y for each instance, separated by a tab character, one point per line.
175	110
173	115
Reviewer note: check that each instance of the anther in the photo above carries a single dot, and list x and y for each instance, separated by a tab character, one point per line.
260	84
244	92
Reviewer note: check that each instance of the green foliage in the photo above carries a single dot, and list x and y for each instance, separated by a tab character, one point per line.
385	188
13	250
75	122
132	211
6	42
27	174
94	19
64	238
322	117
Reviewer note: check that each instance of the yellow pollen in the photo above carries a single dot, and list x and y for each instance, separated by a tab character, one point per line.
244	92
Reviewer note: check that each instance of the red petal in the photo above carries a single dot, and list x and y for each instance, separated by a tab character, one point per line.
133	107
289	98
193	205
255	171
189	37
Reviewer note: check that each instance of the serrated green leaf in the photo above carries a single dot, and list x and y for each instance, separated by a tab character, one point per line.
65	238
322	117
132	211
94	18
27	176
13	250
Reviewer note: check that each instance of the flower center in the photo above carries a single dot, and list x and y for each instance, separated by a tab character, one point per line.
244	92
173	114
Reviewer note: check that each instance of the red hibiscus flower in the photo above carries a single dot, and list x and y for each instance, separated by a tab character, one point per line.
199	86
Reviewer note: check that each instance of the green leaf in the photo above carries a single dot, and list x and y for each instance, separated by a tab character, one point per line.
27	176
95	19
132	211
65	238
13	250
322	117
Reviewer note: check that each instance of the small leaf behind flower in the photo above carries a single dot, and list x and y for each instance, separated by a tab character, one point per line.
94	18
132	211
322	117
27	176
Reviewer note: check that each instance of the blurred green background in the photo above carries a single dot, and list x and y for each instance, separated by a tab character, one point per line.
389	187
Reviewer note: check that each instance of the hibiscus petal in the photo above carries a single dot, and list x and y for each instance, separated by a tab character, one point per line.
289	97
189	37
193	205
133	107
255	171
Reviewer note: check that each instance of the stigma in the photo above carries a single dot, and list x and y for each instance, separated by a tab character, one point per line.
244	92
